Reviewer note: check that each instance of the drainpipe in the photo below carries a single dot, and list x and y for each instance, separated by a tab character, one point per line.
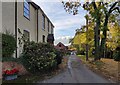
16	25
37	25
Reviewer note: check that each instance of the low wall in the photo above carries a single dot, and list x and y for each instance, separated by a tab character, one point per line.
11	65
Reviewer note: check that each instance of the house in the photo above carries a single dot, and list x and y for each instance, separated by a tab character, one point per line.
30	19
61	47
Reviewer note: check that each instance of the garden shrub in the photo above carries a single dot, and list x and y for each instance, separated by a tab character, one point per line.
7	59
59	56
38	57
8	45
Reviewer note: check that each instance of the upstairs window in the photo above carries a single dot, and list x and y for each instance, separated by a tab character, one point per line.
43	22
51	29
26	9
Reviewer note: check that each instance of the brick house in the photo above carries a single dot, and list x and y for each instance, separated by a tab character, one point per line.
60	46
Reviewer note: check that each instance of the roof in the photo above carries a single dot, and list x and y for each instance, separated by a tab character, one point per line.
61	44
34	5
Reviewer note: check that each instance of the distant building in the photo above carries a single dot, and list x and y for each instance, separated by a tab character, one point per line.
60	46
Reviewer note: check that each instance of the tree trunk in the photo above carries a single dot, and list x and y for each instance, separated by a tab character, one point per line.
86	52
97	39
87	39
96	31
103	41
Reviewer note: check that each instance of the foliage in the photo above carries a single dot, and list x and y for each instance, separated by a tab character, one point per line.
8	45
101	14
91	51
7	59
116	54
22	38
113	39
38	57
59	56
80	52
109	53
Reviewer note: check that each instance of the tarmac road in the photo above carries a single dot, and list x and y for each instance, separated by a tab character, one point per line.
76	73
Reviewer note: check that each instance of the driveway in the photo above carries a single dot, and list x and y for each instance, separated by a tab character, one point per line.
76	73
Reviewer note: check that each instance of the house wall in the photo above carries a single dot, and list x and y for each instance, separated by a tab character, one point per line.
25	24
8	20
8	17
0	17
40	30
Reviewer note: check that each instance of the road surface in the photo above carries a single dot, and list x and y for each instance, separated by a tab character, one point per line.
76	73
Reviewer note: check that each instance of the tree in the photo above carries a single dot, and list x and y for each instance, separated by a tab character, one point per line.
107	14
113	37
72	7
100	13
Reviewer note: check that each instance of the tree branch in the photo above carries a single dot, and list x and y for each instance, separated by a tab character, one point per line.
94	5
116	8
110	10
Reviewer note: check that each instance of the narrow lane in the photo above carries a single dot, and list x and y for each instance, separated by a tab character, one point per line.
76	73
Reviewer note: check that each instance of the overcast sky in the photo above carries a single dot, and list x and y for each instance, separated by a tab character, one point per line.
65	23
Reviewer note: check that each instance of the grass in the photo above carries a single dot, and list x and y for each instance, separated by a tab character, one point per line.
82	57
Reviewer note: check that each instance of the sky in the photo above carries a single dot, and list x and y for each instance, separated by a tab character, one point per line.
65	23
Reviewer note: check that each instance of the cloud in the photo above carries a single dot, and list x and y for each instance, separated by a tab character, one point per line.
63	39
65	23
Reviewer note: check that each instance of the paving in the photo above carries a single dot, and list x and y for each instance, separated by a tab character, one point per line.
76	72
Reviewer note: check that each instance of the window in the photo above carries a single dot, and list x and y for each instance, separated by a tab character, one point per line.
43	22
43	38
26	9
51	29
60	45
26	35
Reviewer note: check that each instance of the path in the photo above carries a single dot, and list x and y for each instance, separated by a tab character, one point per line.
76	73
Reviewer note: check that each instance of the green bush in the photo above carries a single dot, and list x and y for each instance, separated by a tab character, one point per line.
38	57
116	55
59	56
8	45
11	59
81	52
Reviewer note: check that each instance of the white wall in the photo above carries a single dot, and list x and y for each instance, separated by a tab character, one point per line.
8	17
0	16
42	32
25	24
